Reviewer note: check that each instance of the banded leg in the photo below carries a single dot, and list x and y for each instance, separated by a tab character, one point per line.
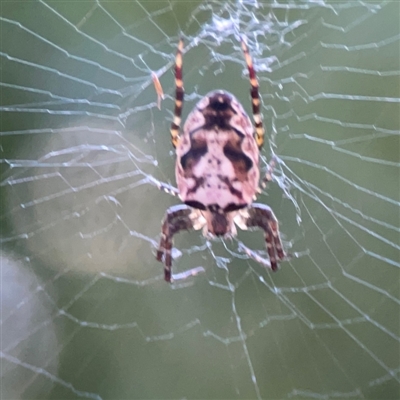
176	219
165	187
179	93
255	96
262	216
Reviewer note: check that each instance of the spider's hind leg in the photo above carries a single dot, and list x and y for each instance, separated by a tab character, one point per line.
255	96
179	94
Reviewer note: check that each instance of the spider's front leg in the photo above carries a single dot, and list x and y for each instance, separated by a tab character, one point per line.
177	218
261	216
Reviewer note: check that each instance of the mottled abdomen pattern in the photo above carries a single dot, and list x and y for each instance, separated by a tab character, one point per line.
217	155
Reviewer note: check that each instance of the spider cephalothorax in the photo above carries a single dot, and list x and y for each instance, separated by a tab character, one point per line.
217	169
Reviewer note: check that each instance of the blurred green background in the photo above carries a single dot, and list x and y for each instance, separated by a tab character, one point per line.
85	310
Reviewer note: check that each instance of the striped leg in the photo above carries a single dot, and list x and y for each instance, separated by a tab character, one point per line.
175	126
176	219
255	97
165	187
262	216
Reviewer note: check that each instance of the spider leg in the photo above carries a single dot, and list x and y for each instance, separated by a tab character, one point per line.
268	175
261	216
179	93
177	218
255	96
165	187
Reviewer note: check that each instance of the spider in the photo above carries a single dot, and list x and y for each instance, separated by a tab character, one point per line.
217	169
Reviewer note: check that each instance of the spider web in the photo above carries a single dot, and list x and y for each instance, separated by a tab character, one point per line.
85	311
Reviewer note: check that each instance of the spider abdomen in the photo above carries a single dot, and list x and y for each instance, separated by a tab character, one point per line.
217	157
